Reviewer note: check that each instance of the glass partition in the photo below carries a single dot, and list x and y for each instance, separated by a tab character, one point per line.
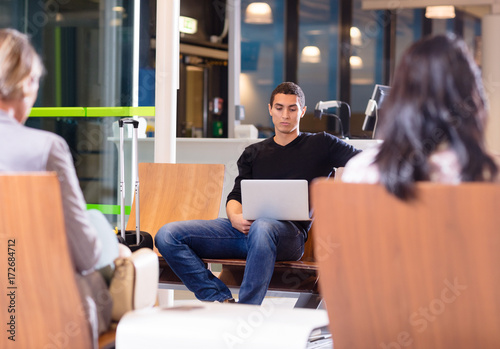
87	49
318	58
262	58
367	61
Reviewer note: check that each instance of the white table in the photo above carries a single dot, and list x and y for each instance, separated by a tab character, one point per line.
218	326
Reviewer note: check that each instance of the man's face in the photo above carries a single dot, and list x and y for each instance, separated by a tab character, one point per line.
286	113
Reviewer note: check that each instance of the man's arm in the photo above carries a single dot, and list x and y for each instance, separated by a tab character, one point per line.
234	209
234	212
340	151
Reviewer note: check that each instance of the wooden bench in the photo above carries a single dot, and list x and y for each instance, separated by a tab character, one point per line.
419	274
177	192
45	308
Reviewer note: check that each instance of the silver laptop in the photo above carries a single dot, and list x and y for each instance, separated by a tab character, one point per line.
281	199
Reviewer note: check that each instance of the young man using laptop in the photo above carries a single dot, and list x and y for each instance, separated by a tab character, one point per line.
289	154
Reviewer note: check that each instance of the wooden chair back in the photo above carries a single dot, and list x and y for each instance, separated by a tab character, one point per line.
41	305
308	255
176	192
419	274
309	245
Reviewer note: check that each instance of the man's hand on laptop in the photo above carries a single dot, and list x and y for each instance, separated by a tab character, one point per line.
241	224
235	215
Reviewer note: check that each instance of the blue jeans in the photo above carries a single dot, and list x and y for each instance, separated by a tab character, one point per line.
183	244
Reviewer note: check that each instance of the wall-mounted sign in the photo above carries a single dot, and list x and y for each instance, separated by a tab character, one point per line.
188	25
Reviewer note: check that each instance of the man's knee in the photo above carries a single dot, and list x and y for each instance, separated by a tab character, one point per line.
262	229
264	223
165	235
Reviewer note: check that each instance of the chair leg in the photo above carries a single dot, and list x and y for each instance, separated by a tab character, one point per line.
309	301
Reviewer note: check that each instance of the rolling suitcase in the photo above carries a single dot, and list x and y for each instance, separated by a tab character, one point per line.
134	239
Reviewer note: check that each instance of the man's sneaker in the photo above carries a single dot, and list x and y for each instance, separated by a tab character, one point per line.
229	300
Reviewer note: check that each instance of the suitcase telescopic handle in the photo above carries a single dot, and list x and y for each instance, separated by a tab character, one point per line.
134	122
135	177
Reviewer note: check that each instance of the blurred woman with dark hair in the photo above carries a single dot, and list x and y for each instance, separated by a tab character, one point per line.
432	123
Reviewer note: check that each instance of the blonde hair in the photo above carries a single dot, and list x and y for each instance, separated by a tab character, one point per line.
18	62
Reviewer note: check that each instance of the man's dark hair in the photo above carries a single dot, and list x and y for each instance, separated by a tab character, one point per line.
289	88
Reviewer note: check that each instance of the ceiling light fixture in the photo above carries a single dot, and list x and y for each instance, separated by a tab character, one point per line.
258	13
440	12
356	36
310	54
356	62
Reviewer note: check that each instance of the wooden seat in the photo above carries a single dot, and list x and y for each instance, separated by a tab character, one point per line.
45	305
420	274
177	192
